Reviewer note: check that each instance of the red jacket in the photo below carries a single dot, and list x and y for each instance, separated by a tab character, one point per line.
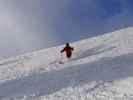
68	50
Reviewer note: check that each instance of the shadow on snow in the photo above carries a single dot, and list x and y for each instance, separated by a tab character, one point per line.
106	69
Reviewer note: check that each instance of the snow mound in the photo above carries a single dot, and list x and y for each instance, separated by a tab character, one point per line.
101	68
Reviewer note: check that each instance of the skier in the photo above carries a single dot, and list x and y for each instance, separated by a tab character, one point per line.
68	50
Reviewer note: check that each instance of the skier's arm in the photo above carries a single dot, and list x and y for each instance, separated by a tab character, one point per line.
62	50
72	48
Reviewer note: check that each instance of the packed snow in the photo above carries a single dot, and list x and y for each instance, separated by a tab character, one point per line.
101	68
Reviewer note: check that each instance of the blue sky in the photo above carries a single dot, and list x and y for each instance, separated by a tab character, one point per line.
29	25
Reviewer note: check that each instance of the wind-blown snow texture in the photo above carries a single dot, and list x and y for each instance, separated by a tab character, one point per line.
101	69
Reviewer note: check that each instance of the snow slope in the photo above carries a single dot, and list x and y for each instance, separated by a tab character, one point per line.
101	69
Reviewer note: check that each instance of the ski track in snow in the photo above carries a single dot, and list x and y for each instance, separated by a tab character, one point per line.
101	69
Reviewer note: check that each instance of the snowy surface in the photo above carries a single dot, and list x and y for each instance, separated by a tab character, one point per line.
101	68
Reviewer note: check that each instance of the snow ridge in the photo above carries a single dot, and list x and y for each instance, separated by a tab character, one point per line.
101	69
